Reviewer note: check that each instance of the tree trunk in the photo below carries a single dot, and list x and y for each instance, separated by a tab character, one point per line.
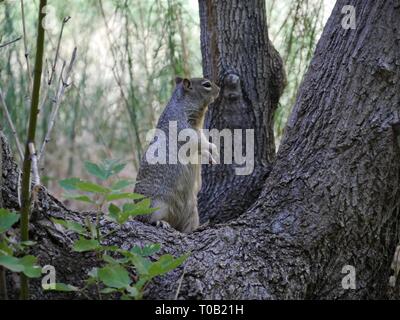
331	199
239	57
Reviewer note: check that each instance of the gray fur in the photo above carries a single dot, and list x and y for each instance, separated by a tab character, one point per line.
173	188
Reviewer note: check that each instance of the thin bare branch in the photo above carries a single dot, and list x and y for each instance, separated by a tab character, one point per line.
63	85
28	65
53	69
9	42
11	124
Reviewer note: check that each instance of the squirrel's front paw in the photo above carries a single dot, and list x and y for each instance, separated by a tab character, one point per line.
207	158
210	157
162	224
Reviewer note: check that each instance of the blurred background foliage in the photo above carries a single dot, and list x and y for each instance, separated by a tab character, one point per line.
128	52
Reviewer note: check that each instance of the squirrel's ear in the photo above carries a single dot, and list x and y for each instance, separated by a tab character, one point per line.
178	80
187	85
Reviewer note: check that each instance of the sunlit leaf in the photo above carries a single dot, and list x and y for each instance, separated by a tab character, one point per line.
125	195
165	264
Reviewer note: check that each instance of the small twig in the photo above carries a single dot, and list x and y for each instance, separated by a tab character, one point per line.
10	42
28	65
11	124
35	171
57	102
180	283
53	69
19	188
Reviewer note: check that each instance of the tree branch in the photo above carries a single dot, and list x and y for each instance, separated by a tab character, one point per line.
63	85
9	42
11	124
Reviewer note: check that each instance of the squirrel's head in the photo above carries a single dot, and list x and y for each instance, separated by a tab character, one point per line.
199	90
197	93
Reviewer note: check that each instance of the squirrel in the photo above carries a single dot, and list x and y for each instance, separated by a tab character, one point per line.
173	187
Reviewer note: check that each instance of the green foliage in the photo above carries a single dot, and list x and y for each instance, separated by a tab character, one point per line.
61	287
10	247
113	277
7	219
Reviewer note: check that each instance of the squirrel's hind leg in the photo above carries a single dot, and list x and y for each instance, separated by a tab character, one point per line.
192	223
160	217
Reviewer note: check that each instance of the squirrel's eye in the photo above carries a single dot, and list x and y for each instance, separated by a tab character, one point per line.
207	85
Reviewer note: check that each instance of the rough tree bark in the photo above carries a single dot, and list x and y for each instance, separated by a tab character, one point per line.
239	57
331	199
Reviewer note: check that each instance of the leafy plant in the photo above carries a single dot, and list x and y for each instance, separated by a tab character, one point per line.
10	248
113	277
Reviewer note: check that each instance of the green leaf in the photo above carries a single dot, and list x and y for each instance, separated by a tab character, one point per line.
114	213
7	219
5	249
27	243
95	170
113	167
128	207
133	292
71	225
113	209
165	264
125	195
145	203
81	198
108	290
91	187
136	209
31	270
110	248
121	184
69	184
140	284
118	168
141	264
91	227
110	259
147	250
83	245
59	286
114	276
27	265
139	212
11	263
